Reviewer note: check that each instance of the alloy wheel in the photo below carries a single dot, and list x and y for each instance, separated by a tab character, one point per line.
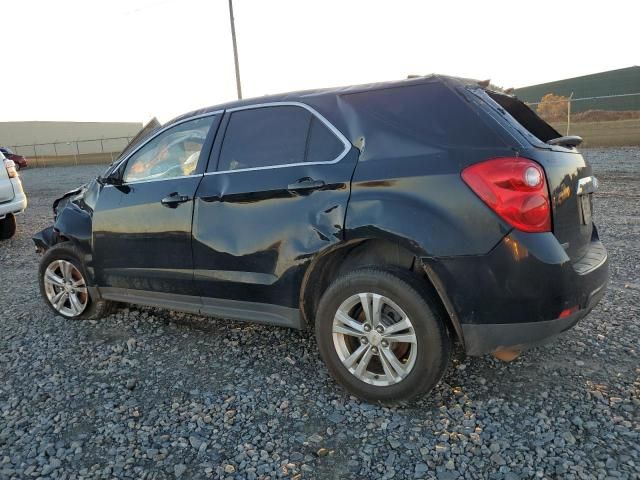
374	339
66	288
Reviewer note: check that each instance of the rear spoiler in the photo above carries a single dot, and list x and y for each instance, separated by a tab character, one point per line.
568	141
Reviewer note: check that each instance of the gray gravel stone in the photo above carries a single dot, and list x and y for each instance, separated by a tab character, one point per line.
179	470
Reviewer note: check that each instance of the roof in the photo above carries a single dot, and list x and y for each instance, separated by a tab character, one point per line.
320	98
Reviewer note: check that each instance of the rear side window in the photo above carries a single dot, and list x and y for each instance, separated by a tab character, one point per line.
276	135
409	120
323	145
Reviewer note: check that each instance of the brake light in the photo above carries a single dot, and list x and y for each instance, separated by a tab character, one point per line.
515	188
11	168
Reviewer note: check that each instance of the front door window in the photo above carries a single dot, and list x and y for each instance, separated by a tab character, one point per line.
173	153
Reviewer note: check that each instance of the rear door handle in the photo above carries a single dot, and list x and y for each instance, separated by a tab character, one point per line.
174	199
306	183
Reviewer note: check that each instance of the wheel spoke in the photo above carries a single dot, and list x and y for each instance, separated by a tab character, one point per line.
365	301
78	283
402	338
56	297
376	309
53	278
349	322
394	364
398	327
352	359
372	307
60	301
76	305
388	369
346	331
364	363
66	271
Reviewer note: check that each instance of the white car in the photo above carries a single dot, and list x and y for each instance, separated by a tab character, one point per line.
12	197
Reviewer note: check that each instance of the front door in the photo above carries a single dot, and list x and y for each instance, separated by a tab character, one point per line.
142	228
276	199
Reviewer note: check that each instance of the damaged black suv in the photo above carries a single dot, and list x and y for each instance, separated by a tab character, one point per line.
393	219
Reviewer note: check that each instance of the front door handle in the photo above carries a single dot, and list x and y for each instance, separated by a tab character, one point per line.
306	183
174	199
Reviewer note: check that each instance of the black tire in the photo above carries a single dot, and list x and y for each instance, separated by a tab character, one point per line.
407	292
95	308
7	227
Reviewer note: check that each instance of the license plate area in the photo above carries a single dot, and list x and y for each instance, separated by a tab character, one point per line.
585	208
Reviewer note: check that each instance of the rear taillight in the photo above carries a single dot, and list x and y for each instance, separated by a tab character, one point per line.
514	188
11	168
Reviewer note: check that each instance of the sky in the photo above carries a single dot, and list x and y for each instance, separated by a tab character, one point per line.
131	60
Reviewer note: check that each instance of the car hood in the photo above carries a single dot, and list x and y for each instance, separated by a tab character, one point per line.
85	197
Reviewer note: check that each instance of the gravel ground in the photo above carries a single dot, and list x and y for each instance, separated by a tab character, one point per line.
149	393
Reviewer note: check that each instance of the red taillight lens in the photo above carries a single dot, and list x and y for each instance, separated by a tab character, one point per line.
514	188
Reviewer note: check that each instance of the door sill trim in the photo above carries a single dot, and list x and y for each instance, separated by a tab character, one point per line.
216	307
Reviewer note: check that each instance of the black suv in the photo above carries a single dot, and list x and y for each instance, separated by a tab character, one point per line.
392	218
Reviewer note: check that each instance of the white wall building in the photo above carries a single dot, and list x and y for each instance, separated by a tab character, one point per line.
66	138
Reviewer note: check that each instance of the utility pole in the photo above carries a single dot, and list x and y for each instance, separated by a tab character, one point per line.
235	49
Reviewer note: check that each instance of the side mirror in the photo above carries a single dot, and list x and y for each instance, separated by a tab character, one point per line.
114	178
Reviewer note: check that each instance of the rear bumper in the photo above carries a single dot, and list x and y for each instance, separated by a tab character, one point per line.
523	293
493	337
17	205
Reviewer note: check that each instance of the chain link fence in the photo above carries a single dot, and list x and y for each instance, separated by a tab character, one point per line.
76	152
611	120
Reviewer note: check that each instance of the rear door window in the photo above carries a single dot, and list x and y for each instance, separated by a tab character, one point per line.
277	135
265	136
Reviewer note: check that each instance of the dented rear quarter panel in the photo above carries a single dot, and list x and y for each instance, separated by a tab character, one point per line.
422	202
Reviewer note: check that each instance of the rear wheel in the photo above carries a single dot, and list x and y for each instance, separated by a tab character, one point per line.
7	227
63	284
381	335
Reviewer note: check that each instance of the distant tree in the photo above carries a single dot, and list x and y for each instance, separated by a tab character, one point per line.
553	107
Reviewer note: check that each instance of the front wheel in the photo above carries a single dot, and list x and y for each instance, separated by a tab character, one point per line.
64	286
381	335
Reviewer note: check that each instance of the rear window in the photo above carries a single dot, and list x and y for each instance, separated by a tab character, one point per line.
415	116
525	117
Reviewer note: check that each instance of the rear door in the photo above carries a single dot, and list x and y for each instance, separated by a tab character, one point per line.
275	196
